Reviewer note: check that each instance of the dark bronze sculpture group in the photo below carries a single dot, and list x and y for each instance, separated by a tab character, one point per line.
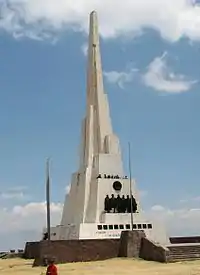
120	204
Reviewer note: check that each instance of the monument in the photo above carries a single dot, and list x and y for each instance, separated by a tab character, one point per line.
102	202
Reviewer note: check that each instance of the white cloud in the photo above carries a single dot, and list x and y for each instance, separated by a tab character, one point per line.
31	216
19	188
190	200
17	195
30	219
158	76
14	193
84	49
25	223
38	19
120	78
157	208
67	189
180	221
161	78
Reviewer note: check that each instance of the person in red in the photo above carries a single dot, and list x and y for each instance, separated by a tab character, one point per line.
52	269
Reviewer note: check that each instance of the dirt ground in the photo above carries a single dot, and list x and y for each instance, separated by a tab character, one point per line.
108	267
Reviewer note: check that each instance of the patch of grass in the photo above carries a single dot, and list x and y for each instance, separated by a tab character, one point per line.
112	267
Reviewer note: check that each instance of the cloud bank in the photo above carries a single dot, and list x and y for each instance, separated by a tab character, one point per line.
25	222
39	19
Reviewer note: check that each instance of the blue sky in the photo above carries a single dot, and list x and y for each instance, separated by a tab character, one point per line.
151	74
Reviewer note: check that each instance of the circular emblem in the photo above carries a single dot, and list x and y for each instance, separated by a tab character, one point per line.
117	185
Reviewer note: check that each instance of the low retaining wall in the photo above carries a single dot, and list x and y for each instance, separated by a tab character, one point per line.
31	250
77	250
151	251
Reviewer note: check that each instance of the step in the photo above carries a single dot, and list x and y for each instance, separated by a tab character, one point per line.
185	255
184	252
184	249
183	258
174	260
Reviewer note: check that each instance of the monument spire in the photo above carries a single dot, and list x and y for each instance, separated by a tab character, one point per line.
97	122
94	74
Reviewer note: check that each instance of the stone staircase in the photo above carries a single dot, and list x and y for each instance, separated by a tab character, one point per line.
184	252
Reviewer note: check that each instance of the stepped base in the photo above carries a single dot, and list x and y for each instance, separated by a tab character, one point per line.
184	252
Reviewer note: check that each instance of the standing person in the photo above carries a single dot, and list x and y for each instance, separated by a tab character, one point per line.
52	269
128	204
107	207
113	203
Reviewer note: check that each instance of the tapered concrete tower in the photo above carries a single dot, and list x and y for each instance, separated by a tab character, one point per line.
98	204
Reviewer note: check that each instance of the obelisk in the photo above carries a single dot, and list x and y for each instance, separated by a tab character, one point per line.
100	174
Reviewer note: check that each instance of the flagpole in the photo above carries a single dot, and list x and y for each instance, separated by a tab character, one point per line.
130	178
48	201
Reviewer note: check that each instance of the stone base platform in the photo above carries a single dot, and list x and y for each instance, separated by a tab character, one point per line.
133	244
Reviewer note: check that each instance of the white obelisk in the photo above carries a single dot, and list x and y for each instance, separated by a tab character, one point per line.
100	172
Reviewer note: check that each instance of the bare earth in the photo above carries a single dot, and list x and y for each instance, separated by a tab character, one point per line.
109	267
